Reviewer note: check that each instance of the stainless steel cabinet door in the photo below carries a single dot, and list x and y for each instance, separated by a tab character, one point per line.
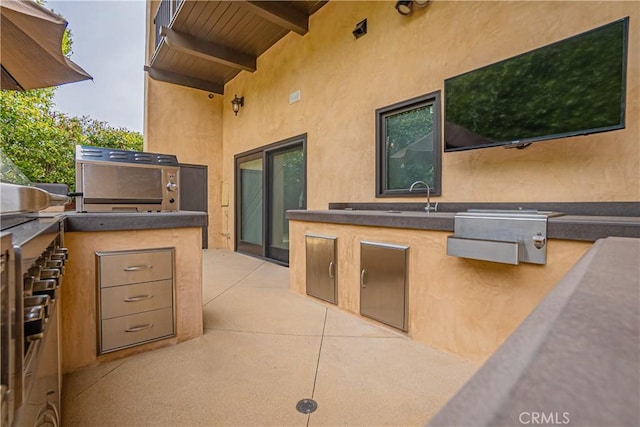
383	290
321	267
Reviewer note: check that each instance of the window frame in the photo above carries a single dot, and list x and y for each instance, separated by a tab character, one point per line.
432	98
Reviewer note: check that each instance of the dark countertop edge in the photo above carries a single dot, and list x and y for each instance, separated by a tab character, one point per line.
76	221
631	209
568	227
579	344
25	232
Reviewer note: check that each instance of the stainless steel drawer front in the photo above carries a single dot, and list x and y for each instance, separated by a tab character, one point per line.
126	331
135	267
130	299
135	297
485	250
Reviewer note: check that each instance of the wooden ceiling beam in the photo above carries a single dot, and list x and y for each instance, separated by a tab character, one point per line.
279	14
209	51
182	80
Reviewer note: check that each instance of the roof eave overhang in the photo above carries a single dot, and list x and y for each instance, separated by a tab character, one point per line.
221	55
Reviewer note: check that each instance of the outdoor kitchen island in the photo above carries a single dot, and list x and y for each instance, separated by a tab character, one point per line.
88	233
466	307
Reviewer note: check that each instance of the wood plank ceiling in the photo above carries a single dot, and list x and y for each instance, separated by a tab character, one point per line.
209	42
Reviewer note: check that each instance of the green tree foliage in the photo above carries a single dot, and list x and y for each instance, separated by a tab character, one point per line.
41	142
410	148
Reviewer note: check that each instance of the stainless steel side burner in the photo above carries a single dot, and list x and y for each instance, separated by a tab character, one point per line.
505	236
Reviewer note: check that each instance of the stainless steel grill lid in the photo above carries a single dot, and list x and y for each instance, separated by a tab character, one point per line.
22	199
98	154
18	195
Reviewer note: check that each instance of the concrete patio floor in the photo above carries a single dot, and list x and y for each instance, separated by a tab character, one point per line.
264	349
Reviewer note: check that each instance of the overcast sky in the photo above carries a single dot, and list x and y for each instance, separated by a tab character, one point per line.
108	43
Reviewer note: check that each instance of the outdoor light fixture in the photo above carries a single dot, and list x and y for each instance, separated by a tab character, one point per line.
404	7
236	103
361	29
421	3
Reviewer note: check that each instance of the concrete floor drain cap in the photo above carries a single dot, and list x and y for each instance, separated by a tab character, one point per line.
306	406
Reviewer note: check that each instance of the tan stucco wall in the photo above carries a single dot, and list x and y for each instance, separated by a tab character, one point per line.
343	80
188	123
461	306
192	141
79	313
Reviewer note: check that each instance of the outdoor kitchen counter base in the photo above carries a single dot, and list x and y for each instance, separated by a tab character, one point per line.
107	221
462	306
115	232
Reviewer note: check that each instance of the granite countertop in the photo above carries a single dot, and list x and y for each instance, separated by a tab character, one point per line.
569	227
97	221
26	231
42	222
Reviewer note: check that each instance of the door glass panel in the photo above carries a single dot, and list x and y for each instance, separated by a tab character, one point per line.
410	148
286	192
251	201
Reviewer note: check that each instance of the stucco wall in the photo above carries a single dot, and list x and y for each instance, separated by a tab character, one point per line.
192	141
188	123
343	80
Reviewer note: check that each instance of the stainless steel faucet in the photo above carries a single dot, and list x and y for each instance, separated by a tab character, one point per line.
427	208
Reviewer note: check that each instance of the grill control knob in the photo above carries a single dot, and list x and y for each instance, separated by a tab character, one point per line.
172	186
34	272
58	257
62	251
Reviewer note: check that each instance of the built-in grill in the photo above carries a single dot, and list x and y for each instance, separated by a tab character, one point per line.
33	262
40	261
109	180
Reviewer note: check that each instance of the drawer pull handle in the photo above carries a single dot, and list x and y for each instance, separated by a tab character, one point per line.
138	298
139	328
52	407
138	268
47	418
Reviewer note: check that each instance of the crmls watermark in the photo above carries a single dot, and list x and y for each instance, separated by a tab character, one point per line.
546	418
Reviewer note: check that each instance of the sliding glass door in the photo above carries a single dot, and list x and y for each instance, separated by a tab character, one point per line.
250	206
286	191
269	181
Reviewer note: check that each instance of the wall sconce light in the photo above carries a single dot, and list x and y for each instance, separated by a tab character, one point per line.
361	29
404	7
236	103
